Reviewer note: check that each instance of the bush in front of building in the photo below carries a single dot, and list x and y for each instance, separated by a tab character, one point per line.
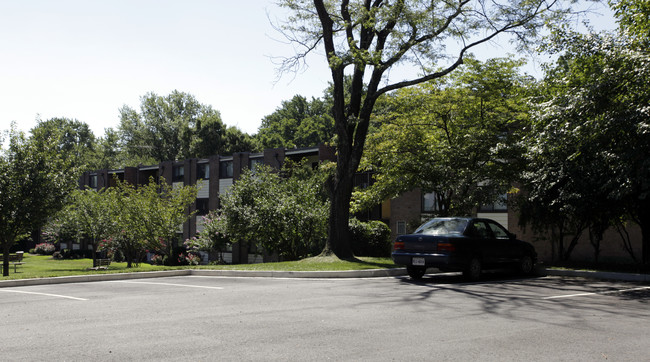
158	259
280	212
44	249
370	238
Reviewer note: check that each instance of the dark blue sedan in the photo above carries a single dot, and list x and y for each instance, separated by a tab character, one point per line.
462	244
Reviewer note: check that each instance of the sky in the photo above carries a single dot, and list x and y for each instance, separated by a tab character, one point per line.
85	59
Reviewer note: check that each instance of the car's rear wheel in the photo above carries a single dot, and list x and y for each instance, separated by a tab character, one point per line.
473	270
416	272
526	265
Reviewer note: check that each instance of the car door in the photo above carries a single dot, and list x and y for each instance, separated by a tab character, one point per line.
483	241
506	249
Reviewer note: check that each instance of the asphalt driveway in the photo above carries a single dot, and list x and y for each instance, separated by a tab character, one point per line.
374	319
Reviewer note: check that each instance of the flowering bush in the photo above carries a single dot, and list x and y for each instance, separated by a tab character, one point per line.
213	237
157	259
192	259
44	249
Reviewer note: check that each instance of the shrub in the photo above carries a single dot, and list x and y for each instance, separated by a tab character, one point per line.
371	238
192	259
157	259
180	253
117	256
44	249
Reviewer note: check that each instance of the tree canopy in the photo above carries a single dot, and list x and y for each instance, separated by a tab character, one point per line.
287	215
297	123
456	139
633	17
149	217
76	141
366	39
34	180
588	151
175	127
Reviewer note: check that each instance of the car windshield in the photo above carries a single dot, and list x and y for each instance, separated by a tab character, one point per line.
442	227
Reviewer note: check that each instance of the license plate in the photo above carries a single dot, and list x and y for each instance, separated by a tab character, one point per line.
418	261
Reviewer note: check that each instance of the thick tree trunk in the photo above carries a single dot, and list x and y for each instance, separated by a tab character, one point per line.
5	258
644	223
339	242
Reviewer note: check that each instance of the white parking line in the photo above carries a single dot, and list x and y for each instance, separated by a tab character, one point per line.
596	293
168	284
45	294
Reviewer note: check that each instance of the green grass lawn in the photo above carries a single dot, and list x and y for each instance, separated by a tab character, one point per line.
318	263
40	266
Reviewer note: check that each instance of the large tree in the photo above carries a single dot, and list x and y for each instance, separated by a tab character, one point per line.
171	127
366	39
76	141
149	217
92	214
34	180
588	154
297	123
456	138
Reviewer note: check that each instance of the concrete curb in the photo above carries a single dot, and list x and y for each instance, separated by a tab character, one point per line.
370	273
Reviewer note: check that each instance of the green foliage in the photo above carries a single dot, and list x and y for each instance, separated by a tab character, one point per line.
75	141
174	127
61	227
297	123
284	215
237	141
44	249
371	238
34	181
587	153
213	237
90	213
457	138
367	40
149	217
634	20
125	220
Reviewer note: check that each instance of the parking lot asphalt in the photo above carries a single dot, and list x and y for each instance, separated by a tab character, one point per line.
193	317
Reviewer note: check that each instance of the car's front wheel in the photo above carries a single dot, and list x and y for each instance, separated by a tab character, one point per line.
416	272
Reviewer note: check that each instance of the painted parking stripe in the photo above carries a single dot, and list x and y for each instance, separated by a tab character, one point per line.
596	293
44	294
167	284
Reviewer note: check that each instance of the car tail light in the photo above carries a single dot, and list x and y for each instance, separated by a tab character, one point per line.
448	247
398	245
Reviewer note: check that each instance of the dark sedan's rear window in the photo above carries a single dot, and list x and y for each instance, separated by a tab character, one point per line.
443	227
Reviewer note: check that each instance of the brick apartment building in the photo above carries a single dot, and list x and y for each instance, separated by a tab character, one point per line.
217	173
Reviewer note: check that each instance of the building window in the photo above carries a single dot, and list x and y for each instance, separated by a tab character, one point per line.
202	207
178	174
255	164
362	180
431	203
226	169
203	171
401	227
93	181
500	205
